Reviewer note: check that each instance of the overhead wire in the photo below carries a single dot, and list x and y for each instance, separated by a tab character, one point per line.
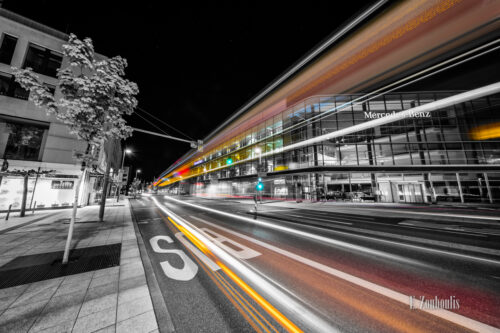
151	123
164	123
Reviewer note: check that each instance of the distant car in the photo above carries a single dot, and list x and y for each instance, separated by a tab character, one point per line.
335	195
361	196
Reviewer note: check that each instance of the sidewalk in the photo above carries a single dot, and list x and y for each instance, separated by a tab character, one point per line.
115	299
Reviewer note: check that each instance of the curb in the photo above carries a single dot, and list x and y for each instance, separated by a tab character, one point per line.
165	323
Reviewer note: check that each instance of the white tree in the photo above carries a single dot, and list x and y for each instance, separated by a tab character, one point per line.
95	96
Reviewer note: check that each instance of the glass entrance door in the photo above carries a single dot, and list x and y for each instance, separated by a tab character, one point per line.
410	193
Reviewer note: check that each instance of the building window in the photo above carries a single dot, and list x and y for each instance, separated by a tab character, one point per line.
50	88
24	140
42	60
62	184
9	87
7	48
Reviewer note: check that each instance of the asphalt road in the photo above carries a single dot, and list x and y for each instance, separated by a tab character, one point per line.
319	271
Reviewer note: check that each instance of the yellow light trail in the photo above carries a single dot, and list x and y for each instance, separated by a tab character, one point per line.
485	132
271	310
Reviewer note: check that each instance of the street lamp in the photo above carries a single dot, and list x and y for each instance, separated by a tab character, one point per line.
136	172
125	152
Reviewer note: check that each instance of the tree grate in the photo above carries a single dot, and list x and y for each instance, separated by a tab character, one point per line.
44	266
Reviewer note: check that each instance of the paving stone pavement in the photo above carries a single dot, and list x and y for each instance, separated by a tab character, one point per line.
115	299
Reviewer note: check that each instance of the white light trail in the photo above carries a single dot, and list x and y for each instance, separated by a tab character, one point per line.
397	296
306	316
392	294
345	244
429	107
326	240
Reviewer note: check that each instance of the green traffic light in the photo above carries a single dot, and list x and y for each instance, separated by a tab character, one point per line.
260	186
229	161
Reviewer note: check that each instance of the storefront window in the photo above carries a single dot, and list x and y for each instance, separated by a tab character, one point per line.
62	184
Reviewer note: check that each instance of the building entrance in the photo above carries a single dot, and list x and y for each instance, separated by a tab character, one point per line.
409	192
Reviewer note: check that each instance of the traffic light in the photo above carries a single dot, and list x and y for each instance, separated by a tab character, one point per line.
229	161
260	186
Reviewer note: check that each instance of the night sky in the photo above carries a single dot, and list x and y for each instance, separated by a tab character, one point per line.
195	64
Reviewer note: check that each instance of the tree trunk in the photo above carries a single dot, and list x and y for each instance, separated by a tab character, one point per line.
25	196
73	218
104	192
75	206
119	190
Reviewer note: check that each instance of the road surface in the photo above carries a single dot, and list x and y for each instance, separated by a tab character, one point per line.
221	270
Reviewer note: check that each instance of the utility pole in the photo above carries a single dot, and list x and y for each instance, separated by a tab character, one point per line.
125	152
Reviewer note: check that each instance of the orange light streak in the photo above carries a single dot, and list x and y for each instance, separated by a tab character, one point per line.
485	132
271	310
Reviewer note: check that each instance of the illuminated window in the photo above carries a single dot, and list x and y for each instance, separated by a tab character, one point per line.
62	184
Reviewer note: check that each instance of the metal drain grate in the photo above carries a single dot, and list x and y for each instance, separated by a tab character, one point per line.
44	266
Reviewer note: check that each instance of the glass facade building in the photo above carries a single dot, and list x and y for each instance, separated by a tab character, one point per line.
427	157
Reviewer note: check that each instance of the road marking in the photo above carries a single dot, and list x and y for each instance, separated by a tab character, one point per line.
444	314
213	266
146	221
473	217
352	216
333	242
189	268
319	219
244	253
345	244
444	230
274	210
314	322
453	227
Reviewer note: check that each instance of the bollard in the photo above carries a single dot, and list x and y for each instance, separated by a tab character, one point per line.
8	213
255	207
33	211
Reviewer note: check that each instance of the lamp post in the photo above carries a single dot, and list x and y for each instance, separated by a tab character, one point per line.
125	152
135	180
